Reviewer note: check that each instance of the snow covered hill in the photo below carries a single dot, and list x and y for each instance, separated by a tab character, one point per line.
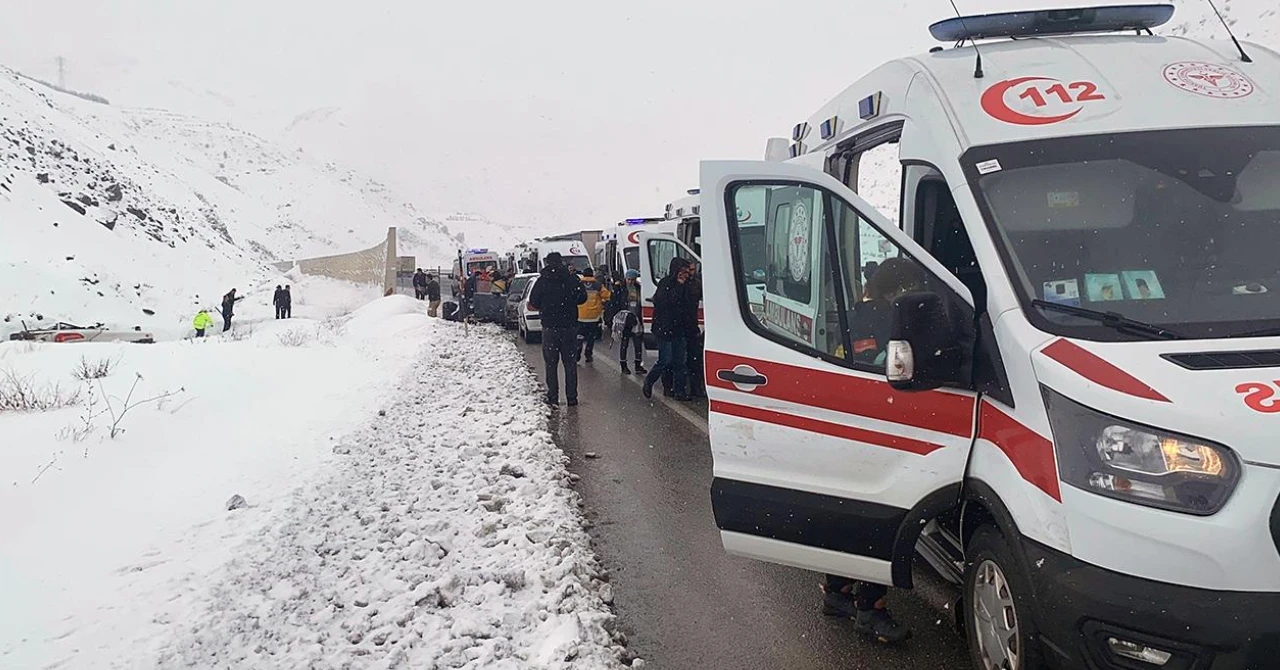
136	217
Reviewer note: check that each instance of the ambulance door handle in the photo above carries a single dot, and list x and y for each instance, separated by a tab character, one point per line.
743	377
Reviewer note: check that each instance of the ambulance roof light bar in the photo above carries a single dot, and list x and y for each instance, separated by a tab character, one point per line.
1052	22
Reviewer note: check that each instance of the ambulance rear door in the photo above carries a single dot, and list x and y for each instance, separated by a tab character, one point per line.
818	462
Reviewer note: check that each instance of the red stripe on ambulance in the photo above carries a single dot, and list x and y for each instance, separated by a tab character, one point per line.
825	427
1095	369
1031	454
860	396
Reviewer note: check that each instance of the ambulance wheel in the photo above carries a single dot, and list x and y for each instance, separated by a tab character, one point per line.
997	592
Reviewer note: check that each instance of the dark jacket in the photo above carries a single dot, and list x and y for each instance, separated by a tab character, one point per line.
229	303
557	295
675	305
419	280
278	299
433	289
287	298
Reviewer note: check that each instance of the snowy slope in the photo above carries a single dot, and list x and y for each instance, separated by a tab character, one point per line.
106	212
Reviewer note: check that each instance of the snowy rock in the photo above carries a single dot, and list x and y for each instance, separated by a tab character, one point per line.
591	454
237	501
512	470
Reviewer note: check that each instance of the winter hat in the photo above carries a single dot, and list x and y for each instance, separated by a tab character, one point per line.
633	274
554	258
588	272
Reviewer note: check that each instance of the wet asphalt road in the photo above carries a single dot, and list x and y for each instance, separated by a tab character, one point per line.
681	600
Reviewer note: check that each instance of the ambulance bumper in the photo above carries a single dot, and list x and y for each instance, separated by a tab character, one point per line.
1094	618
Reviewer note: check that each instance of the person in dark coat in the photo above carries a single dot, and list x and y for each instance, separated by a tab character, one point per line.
672	302
288	302
433	295
228	308
557	294
278	301
419	284
695	386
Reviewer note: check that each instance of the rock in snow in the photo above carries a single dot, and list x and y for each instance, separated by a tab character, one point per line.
236	502
447	538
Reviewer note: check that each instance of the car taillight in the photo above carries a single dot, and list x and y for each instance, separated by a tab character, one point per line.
67	337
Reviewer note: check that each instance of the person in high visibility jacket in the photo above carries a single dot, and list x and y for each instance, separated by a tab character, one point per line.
590	313
202	322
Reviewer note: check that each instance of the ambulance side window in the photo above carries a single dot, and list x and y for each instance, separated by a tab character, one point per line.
661	251
784	265
834	302
880	179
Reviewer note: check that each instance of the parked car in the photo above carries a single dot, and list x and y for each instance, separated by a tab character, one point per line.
530	321
66	332
515	296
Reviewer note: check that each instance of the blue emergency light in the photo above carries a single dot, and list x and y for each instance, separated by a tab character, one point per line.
1052	22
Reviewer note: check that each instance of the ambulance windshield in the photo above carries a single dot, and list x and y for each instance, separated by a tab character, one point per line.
578	263
1179	228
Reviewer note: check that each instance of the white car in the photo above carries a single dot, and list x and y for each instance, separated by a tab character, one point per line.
529	321
65	332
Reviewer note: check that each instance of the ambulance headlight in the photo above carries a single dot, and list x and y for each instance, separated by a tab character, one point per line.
1119	459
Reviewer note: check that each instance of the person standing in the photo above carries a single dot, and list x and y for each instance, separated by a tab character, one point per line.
630	326
419	284
557	295
589	315
433	295
278	301
671	305
288	302
202	322
228	308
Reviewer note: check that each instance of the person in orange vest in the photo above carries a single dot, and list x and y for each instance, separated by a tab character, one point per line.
590	314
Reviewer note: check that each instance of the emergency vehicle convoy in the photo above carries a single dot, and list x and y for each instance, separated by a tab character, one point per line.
1052	374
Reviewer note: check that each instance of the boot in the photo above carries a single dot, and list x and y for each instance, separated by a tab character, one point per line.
880	626
641	369
625	370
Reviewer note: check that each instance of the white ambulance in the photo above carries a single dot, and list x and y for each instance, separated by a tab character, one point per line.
1054	374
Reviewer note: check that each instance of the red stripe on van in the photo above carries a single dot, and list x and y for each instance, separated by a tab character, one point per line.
839	430
1090	366
872	398
1031	454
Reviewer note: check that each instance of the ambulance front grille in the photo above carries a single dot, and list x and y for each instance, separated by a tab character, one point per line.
1226	360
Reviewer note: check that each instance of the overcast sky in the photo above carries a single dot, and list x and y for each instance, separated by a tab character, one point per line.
563	114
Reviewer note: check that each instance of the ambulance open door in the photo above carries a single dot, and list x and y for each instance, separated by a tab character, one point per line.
818	461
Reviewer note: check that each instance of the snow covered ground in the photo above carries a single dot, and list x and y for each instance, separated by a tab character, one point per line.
405	506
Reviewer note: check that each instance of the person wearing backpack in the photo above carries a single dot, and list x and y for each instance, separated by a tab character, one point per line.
628	325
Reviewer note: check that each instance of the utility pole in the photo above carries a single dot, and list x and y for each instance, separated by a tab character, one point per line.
62	72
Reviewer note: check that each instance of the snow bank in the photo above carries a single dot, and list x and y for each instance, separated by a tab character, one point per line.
447	539
439	532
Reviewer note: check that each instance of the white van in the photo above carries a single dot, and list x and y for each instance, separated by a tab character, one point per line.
1053	373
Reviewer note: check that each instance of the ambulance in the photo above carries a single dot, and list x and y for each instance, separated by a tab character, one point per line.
475	260
1053	374
619	249
573	251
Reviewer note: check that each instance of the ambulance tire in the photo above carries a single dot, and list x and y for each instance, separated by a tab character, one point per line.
988	555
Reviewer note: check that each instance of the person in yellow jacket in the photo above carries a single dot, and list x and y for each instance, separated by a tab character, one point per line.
201	322
590	314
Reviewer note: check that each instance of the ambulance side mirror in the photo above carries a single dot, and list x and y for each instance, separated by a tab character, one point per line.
928	347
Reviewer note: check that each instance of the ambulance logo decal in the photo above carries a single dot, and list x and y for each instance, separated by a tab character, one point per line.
634	237
798	247
1209	80
1039	101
